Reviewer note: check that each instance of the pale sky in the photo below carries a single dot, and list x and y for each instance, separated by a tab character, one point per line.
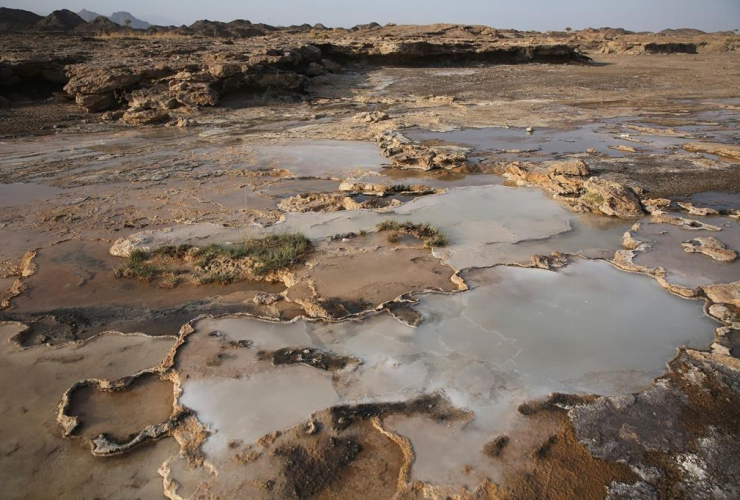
542	15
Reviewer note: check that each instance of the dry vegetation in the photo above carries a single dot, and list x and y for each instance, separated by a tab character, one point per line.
431	236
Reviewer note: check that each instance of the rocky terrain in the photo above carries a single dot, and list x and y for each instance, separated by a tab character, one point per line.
246	261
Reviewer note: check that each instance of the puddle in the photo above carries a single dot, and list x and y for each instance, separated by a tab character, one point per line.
689	269
486	225
321	158
603	137
286	188
16	194
121	414
572	330
235	396
441	179
524	333
248	409
719	200
446	454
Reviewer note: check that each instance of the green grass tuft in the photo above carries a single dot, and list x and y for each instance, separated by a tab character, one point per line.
430	235
269	254
136	267
438	240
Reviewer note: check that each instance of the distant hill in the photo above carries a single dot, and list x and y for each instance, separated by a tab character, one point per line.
100	24
88	15
238	28
682	32
13	19
60	20
122	17
117	17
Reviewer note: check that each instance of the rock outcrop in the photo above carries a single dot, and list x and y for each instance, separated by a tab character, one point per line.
371	117
381	190
660	217
711	247
405	153
419	51
569	181
323	202
318	202
161	85
724	293
697	211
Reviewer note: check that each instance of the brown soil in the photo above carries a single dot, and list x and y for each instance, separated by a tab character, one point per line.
561	468
308	472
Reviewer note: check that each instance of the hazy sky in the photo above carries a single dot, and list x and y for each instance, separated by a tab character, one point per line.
638	15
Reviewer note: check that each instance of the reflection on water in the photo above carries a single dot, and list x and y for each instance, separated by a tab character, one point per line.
586	328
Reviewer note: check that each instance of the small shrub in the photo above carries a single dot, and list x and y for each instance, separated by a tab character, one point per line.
137	257
388	225
438	240
430	235
137	268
